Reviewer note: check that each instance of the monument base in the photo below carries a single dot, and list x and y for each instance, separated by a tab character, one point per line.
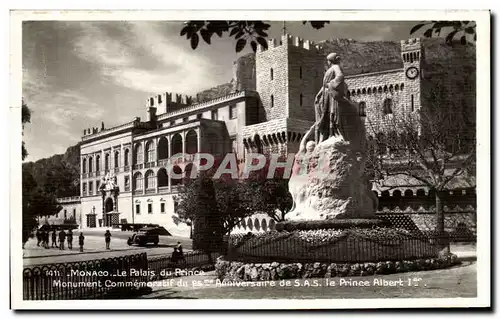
330	183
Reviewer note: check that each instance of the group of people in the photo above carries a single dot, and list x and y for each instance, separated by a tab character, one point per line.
60	238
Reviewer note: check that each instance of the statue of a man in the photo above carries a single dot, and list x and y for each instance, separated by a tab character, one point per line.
328	100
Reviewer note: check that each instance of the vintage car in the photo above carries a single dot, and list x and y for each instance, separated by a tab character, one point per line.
145	236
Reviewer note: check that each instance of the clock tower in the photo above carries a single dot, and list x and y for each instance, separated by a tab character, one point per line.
412	55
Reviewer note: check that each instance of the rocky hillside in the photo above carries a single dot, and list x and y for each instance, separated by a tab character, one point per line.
58	174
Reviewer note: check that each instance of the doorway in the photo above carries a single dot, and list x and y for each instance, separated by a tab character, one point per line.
108	209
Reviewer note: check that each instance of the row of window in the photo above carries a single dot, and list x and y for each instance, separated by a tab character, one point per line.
150	208
150	151
272	73
386	106
97	167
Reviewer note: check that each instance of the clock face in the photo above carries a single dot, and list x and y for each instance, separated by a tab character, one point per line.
412	72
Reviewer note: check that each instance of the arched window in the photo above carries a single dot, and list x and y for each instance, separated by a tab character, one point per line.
176	144
162	148
97	163
106	161
84	166
138	154
191	142
362	109
263	225
272	100
256	224
150	152
150	180
126	157
162	177
138	181
90	164
177	171
387	108
117	159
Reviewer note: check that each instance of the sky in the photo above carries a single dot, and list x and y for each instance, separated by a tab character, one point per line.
77	74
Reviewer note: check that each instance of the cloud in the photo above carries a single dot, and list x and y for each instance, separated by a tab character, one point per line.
140	56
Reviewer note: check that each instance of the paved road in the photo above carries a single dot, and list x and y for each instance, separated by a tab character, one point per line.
95	248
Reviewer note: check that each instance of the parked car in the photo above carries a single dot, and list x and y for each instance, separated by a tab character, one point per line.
145	236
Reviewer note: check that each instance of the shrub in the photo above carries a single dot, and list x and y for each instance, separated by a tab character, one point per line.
330	224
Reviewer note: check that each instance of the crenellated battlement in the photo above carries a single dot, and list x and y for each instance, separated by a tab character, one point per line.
169	98
167	102
288	40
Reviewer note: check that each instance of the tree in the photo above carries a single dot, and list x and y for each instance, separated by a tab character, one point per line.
434	146
270	195
463	29
215	206
244	32
36	202
25	118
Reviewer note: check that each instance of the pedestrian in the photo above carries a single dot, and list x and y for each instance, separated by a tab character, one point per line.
70	239
81	239
38	237
45	235
62	238
107	238
179	248
54	238
175	256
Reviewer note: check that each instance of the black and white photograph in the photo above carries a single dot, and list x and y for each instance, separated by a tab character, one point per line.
281	160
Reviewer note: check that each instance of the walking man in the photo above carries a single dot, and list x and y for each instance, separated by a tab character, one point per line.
54	238
81	239
62	238
46	239
38	237
107	238
70	239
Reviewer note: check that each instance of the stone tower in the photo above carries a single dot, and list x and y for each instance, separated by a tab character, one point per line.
412	55
288	76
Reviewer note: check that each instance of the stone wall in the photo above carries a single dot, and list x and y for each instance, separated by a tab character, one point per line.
243	271
305	76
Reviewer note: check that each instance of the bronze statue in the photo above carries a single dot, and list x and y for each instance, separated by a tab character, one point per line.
329	100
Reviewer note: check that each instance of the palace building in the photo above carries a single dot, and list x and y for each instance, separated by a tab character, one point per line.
123	168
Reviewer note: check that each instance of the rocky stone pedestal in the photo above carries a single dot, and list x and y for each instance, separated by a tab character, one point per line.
330	183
